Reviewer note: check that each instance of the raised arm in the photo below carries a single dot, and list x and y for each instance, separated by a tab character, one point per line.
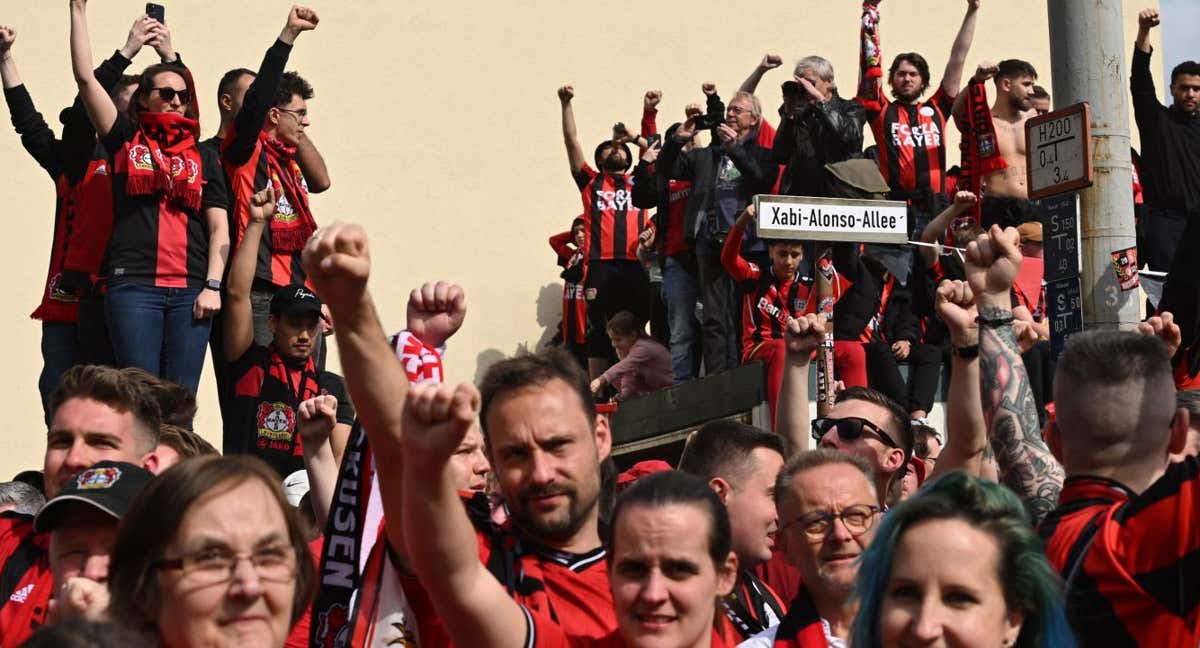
1146	105
792	420
870	54
1147	19
985	71
99	106
575	159
769	62
260	96
337	262
1026	464
316	421
441	540
936	228
966	430
9	74
731	251
239	319
952	77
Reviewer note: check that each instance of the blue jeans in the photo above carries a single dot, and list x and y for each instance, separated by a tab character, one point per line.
680	289
60	351
153	328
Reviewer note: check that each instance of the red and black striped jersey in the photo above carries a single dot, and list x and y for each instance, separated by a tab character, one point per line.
613	223
568	589
155	241
1130	561
911	140
770	301
574	306
25	579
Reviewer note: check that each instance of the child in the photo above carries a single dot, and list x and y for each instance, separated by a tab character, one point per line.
773	297
644	364
569	248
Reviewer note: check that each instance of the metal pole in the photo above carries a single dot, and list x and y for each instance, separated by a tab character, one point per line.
1088	63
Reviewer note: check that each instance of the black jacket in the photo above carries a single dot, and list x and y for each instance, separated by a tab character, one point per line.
861	301
700	167
829	131
1170	144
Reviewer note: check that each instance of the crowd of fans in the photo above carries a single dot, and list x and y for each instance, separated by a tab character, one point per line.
1057	506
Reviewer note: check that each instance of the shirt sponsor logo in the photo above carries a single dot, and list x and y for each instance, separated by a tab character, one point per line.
919	135
613	200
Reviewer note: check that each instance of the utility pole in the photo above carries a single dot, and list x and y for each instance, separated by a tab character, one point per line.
1088	63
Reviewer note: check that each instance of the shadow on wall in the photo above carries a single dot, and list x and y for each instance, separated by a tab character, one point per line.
549	314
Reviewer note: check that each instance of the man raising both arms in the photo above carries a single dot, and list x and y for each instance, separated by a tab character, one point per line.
999	134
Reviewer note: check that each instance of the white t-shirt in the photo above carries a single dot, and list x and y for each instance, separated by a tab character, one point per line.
766	638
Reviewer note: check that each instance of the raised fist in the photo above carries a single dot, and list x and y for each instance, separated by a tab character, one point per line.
770	61
993	261
436	418
338	262
692	110
566	94
301	19
436	311
965	200
262	205
1163	327
985	71
1148	19
317	416
803	335
646	238
955	304
650	102
8	36
708	88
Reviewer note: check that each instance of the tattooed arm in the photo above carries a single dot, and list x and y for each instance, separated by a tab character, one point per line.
1025	463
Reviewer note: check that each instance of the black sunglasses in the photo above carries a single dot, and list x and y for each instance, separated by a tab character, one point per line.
169	94
849	429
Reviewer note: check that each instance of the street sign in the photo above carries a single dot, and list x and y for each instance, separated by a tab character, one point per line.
1060	236
832	219
1065	308
1058	150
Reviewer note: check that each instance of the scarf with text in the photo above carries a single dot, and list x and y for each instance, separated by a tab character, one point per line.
293	222
162	158
869	62
980	154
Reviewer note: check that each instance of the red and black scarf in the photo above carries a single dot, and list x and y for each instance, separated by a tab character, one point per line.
293	222
980	153
162	158
281	393
801	626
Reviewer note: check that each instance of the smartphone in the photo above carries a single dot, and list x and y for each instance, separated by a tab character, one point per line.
157	12
654	141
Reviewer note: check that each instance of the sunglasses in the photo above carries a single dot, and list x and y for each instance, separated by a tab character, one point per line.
169	94
849	429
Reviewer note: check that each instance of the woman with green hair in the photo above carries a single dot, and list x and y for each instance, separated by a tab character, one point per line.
959	564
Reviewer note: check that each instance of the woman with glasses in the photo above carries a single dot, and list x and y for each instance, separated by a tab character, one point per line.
210	554
161	250
958	564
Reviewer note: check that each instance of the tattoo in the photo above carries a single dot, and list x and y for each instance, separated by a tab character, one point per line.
1025	463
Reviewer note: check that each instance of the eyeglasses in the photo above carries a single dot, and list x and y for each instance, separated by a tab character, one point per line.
216	565
300	115
849	429
736	110
169	94
857	519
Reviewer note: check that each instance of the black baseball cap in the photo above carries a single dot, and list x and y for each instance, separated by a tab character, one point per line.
109	486
295	299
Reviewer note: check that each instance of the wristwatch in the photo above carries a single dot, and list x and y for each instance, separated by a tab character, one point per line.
213	284
967	352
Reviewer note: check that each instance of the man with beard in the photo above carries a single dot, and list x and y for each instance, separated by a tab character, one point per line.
1170	145
827	510
911	133
543	436
615	280
1006	198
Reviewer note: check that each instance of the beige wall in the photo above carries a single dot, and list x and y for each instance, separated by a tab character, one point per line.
440	126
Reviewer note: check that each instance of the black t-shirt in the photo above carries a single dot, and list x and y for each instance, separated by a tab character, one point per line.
264	403
216	183
149	244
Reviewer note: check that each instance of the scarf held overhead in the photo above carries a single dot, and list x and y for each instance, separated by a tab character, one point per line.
293	222
981	155
162	158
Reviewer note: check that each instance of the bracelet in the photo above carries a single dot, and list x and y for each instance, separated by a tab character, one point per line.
968	352
997	322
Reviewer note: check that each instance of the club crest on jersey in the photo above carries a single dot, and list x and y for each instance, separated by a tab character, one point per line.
97	478
140	156
275	421
798	305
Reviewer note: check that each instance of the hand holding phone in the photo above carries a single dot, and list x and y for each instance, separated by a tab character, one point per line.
157	12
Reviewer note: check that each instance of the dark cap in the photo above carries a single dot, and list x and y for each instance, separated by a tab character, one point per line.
295	300
109	486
